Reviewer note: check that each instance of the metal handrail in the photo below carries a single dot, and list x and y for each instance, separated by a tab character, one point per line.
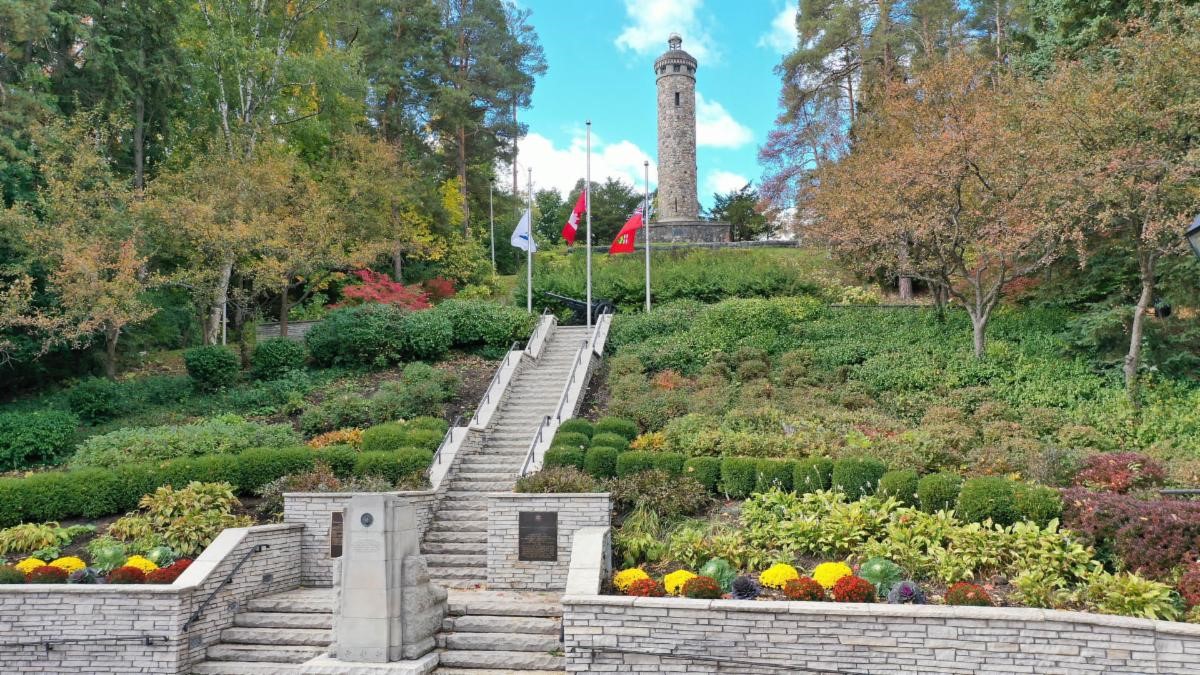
596	330
487	394
48	644
534	334
562	400
448	438
537	438
259	548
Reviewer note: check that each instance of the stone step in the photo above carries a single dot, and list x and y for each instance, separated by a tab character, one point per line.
483	606
511	642
497	660
457	514
482	486
243	668
496	671
283	620
483	476
456	536
458	577
462	526
454	547
491	466
276	637
299	600
271	653
472	560
527	625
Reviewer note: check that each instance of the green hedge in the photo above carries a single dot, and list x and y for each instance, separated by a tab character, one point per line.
629	463
223	434
394	466
396	435
618	426
670	462
739	476
576	425
212	367
1038	503
938	491
857	476
477	323
36	438
609	440
706	471
988	497
601	462
812	474
569	439
774	473
901	484
377	336
275	357
563	456
97	399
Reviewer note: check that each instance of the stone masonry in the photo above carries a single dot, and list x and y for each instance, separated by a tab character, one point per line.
575	511
675	74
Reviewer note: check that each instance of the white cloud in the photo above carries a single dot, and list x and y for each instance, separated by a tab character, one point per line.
716	128
651	22
721	182
561	168
782	35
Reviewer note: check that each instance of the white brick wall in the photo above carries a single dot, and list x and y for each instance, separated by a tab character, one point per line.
575	511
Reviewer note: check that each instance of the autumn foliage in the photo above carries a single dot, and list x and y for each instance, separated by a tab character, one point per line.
379	288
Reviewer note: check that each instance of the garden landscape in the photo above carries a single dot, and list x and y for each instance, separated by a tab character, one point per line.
286	387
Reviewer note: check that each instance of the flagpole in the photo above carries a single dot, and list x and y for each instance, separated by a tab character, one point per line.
529	249
646	225
587	186
492	220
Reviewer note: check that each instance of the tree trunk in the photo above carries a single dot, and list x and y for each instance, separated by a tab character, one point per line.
212	333
283	312
979	319
110	353
939	301
905	282
462	177
1134	357
139	143
398	264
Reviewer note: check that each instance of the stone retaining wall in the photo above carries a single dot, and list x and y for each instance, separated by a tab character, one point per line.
605	634
296	330
31	615
575	511
313	510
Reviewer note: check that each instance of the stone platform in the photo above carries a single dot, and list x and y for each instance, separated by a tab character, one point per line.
689	231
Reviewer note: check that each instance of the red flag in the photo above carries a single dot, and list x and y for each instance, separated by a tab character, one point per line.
628	234
568	231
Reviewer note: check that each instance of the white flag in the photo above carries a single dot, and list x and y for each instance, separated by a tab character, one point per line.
521	236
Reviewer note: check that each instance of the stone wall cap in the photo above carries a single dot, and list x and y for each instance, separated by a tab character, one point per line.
346	495
548	495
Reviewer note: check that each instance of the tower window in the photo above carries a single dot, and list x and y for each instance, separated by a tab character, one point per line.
676	99
677	67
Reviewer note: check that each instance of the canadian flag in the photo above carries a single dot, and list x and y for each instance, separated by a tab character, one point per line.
572	225
628	234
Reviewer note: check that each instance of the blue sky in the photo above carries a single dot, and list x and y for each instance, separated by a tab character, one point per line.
600	55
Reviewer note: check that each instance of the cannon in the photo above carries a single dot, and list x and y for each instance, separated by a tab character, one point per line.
579	307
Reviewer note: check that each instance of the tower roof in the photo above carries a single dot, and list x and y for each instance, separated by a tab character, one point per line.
675	54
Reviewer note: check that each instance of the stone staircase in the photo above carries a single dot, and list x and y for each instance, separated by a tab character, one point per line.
501	633
455	545
274	634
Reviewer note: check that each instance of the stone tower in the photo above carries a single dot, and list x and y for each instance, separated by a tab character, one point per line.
675	73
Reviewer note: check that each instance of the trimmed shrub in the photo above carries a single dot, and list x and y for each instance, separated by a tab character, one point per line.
364	336
938	492
964	593
857	476
601	462
421	391
260	466
657	491
812	474
564	456
393	466
275	357
987	497
339	458
212	367
209	468
706	471
37	438
485	323
337	412
568	439
616	425
425	336
384	437
1037	503
224	434
559	479
739	475
97	399
610	440
670	463
902	485
576	425
425	423
629	463
1120	472
775	473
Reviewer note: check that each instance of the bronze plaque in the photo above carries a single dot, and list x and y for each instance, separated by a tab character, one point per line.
335	533
537	536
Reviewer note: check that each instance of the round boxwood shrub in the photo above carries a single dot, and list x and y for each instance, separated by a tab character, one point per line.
275	357
435	424
570	439
601	462
901	484
97	399
212	367
739	475
857	476
669	462
563	456
576	425
393	466
340	458
610	440
36	438
384	437
617	425
259	466
938	492
1038	503
363	336
812	474
425	336
987	497
629	463
775	473
706	471
480	322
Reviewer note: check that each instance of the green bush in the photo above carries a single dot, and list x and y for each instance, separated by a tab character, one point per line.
384	437
667	496
576	425
901	484
425	336
569	439
987	497
601	462
670	463
159	389
275	357
485	323
36	438
857	476
223	434
208	468
97	399
212	367
706	471
340	458
564	456
558	479
739	476
615	425
629	463
366	336
609	440
812	474
259	466
434	424
340	411
775	473
1038	503
938	491
393	466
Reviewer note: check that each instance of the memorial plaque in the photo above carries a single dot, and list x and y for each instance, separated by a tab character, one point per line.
537	536
335	534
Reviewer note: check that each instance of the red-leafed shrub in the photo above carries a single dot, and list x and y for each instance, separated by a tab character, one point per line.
126	575
48	574
1120	472
702	588
964	593
804	588
1151	538
168	574
439	288
646	588
1189	585
853	589
378	288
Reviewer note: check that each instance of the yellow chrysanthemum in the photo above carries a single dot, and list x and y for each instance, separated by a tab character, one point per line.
778	575
141	563
674	581
827	574
625	578
69	563
29	564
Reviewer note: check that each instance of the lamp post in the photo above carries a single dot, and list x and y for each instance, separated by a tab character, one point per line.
1193	236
